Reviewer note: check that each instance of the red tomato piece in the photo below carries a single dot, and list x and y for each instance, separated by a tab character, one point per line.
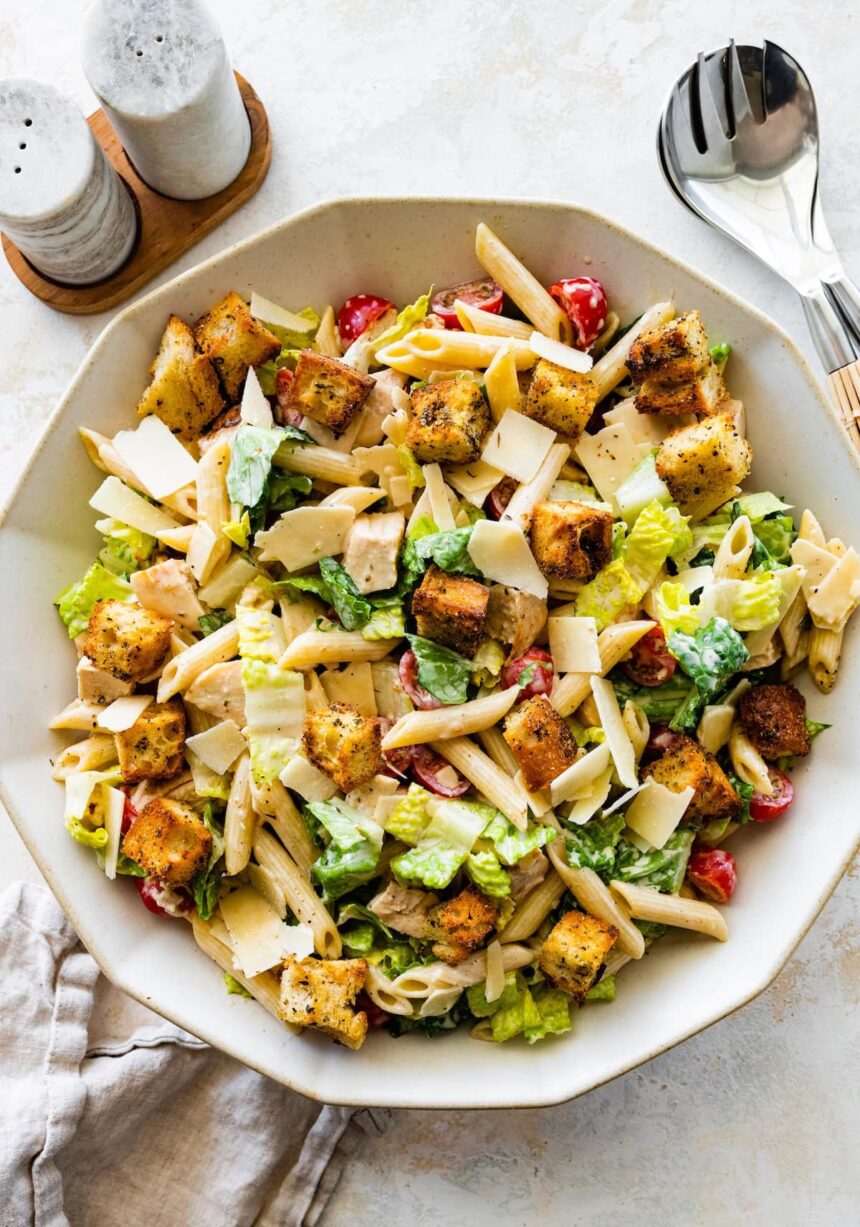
484	294
583	300
409	681
766	809
397	762
282	412
713	873
427	769
651	663
376	1016
498	498
542	673
129	813
660	739
162	899
358	313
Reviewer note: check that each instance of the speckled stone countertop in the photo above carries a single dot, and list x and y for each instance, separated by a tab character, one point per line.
755	1120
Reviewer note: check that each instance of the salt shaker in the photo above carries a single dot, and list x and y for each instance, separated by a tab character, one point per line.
61	202
161	72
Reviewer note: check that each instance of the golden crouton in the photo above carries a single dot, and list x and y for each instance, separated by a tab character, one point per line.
321	993
462	924
344	744
449	422
127	640
541	741
574	952
570	540
152	747
233	340
686	764
704	458
703	394
561	399
451	610
774	719
168	840
184	391
327	390
675	351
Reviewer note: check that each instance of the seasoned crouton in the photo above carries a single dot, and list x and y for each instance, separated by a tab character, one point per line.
574	952
451	610
570	540
541	741
126	640
704	458
321	993
168	840
372	550
462	924
449	422
675	351
327	390
99	686
344	744
774	719
233	340
561	399
184	391
516	618
152	747
704	394
169	589
686	764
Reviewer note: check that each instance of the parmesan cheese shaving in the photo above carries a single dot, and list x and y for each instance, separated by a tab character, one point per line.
609	457
501	553
114	498
156	457
305	779
620	745
518	446
258	936
437	495
255	409
561	355
655	811
302	537
123	713
218	747
573	645
577	780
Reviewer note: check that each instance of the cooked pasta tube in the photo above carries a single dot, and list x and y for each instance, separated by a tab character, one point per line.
92	754
613	643
533	910
748	763
213	503
608	372
825	651
636	726
301	897
178	674
792	624
330	647
417	727
276	805
596	898
733	552
500	380
495	784
322	463
265	988
78	716
473	319
420	982
810	530
469	349
499	750
521	286
240	820
647	903
701	508
380	989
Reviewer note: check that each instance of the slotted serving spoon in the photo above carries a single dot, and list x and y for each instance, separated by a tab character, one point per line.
738	144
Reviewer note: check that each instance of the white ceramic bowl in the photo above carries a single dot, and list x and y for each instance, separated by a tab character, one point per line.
398	248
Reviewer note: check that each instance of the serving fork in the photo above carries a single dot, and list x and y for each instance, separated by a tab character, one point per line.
738	145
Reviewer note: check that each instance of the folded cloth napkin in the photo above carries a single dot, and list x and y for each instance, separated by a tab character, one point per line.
109	1114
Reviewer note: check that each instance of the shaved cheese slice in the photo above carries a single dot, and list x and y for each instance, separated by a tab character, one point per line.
836	597
561	355
620	745
156	457
818	562
655	811
366	798
227	584
354	685
218	747
270	313
573	645
204	543
114	810
586	807
501	553
123	713
255	409
650	428
114	498
715	726
576	781
790	579
474	481
437	494
305	779
609	457
695	578
304	536
623	800
518	446
539	802
260	939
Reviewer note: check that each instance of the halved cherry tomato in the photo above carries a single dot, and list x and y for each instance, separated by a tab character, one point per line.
542	673
583	300
358	313
282	412
498	498
436	773
713	873
765	809
162	899
396	762
129	813
660	739
484	294
376	1016
651	663
408	669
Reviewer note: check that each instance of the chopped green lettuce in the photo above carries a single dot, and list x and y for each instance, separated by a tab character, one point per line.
675	611
409	818
711	655
485	870
234	987
612	590
407	319
251	458
352	609
442	673
487	663
720	353
238	531
512	844
534	1012
449	550
273	698
410	466
594	844
292	337
125	549
388	622
662	868
76	602
213	621
640	489
658	702
603	990
658	533
206	884
442	846
352	855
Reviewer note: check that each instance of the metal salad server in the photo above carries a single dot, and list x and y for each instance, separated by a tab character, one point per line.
738	145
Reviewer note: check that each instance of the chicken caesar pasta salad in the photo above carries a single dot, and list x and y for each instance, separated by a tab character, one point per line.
433	655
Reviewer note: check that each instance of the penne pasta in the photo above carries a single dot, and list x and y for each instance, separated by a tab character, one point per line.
301	897
274	803
420	982
445	722
825	651
495	784
608	372
327	340
500	380
92	754
748	763
466	349
613	644
521	286
473	319
78	716
321	463
312	648
597	899
186	667
734	550
533	910
647	903
240	819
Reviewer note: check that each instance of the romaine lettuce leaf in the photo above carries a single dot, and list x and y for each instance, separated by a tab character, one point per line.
534	1013
675	611
658	533
603	990
711	655
487	663
442	846
485	870
612	590
234	987
410	466
512	844
642	488
663	868
449	550
75	603
407	319
207	883
352	609
658	702
386	622
443	673
594	844
747	604
409	818
352	855
125	549
213	621
274	700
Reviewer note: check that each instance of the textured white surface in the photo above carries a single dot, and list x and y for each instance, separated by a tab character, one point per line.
751	1120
